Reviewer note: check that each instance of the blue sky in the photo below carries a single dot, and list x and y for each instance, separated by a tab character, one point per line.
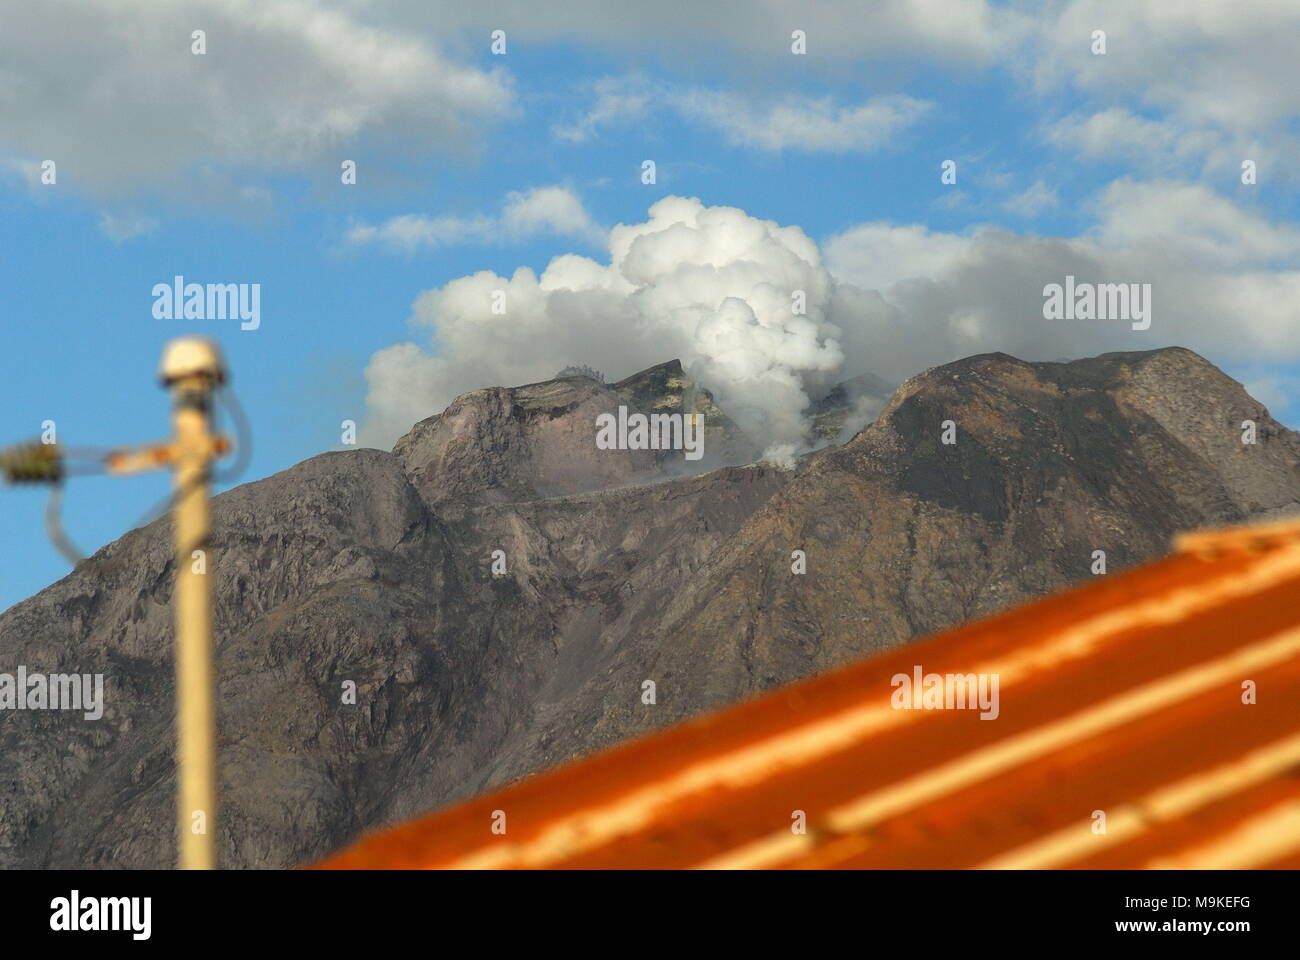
225	168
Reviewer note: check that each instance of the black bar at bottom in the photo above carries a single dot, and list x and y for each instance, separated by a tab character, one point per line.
643	912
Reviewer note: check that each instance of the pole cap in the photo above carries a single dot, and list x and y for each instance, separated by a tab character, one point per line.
192	357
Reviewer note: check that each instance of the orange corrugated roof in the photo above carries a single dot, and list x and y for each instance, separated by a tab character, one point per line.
1124	696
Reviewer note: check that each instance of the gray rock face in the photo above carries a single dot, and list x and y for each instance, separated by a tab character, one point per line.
848	407
505	445
905	535
375	568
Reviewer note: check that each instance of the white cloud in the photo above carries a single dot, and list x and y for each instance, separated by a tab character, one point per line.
712	286
618	101
792	122
709	285
877	255
803	123
1192	224
1169	146
1118	133
553	209
413	231
1222	81
111	91
839	31
1225	282
122	227
1228	65
1032	201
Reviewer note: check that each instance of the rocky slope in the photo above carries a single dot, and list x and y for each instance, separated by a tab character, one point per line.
505	445
376	568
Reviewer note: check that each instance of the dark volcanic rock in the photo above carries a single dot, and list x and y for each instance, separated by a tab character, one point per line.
905	535
526	443
848	407
376	568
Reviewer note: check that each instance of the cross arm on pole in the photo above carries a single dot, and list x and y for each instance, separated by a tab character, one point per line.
157	457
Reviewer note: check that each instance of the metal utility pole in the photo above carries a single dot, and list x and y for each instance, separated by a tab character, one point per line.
192	370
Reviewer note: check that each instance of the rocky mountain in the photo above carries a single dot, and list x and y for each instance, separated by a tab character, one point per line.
848	406
506	445
377	569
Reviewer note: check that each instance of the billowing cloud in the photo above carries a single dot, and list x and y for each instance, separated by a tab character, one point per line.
1225	282
710	285
713	286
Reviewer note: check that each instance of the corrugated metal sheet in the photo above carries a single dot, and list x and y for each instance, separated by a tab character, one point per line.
1123	698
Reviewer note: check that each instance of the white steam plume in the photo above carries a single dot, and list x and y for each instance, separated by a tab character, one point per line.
713	286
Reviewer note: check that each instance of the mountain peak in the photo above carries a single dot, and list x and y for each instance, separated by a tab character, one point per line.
989	430
510	444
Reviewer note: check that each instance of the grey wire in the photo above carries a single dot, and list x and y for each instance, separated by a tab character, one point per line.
243	439
244	452
54	526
